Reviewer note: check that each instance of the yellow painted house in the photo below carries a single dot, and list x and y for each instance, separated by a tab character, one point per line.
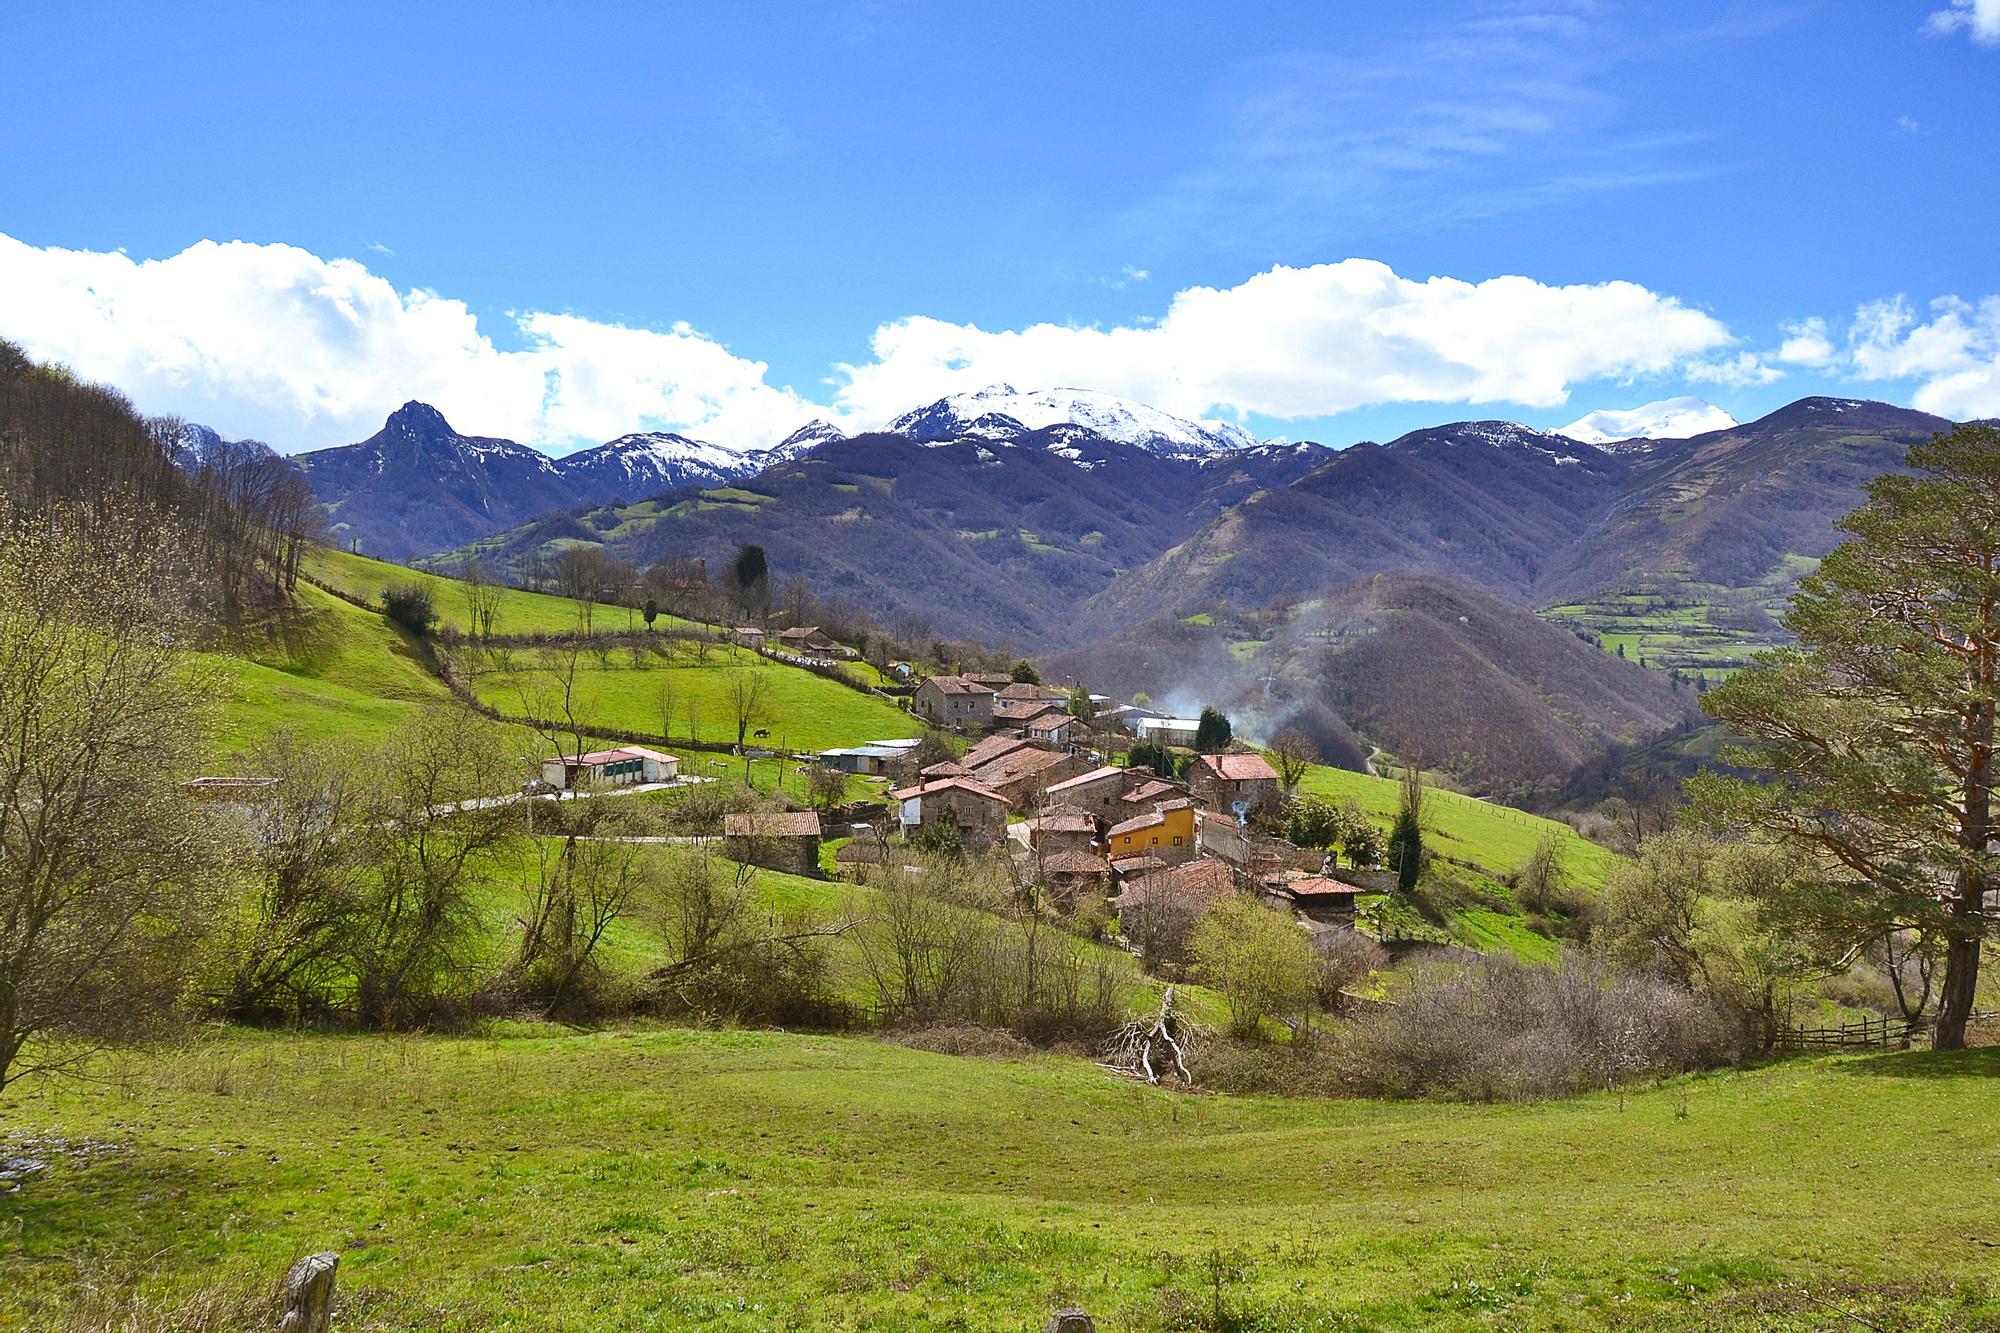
1167	833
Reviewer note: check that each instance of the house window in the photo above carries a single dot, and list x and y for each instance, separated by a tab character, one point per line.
1177	841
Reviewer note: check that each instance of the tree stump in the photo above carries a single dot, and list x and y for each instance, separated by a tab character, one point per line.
309	1294
1070	1321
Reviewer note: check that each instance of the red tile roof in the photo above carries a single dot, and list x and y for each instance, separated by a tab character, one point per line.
792	824
1134	825
957	685
1075	863
949	784
1319	886
1240	767
1095	775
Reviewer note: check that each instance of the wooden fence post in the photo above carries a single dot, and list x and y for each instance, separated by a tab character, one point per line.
309	1294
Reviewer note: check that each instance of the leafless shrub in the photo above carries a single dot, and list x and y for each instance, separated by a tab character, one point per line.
1346	958
729	957
1299	1068
1497	1030
975	1039
956	943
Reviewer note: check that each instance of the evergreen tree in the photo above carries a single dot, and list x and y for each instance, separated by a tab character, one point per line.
1879	721
1406	835
752	576
1023	673
1153	755
1213	732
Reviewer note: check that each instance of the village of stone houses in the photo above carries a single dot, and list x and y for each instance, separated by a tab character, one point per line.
943	667
1037	777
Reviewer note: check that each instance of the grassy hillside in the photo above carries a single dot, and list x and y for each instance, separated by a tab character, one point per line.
518	612
622	690
1492	837
325	670
734	1180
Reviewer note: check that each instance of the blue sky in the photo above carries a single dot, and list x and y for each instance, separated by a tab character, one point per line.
622	215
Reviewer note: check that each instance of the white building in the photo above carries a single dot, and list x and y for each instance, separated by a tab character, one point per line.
1168	730
624	767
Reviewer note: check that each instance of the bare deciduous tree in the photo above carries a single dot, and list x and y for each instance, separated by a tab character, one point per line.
482	597
434	827
1293	754
746	690
282	957
108	871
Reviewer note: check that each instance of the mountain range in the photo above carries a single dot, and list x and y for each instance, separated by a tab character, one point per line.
1483	565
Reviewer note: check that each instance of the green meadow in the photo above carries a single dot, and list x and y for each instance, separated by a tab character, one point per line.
623	689
535	1179
1495	838
516	611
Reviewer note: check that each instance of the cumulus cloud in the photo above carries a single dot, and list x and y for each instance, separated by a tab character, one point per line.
1954	355
1739	370
1806	343
1308	342
275	342
1980	18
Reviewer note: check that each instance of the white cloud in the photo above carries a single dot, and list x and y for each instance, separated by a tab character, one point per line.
1981	18
1308	342
1954	355
1806	343
275	342
1739	370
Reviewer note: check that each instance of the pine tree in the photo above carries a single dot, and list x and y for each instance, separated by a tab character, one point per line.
1879	722
1212	732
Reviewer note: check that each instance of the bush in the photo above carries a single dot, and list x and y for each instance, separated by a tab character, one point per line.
410	606
1258	958
1497	1030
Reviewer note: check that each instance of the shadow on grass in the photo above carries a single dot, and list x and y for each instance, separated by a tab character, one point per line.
1981	1062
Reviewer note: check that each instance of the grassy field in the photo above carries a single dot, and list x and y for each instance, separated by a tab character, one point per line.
1493	837
1702	630
801	710
517	612
324	670
735	1180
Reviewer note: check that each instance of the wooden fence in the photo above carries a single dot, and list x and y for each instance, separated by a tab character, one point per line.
1869	1034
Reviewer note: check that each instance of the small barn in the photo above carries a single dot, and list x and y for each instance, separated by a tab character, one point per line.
626	766
867	760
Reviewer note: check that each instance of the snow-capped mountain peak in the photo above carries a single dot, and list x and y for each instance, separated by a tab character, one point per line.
646	462
1667	419
804	440
1000	411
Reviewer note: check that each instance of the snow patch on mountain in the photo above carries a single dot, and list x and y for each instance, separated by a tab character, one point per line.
1667	419
992	412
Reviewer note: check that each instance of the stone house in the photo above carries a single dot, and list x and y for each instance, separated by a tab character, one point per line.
1241	784
979	812
1100	792
1024	774
786	841
953	701
1061	828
